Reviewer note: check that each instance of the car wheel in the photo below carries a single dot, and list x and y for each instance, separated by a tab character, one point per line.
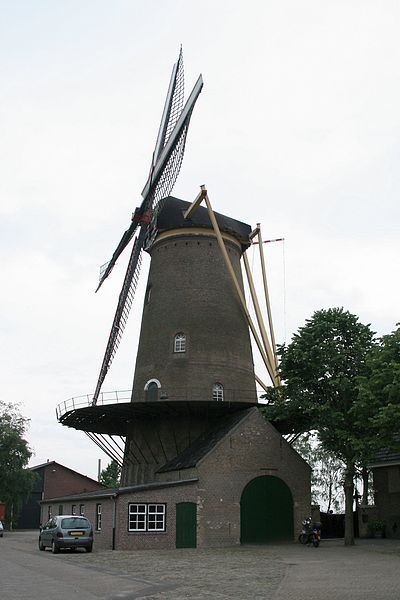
41	546
54	548
89	548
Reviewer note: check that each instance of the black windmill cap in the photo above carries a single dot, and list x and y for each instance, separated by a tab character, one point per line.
171	216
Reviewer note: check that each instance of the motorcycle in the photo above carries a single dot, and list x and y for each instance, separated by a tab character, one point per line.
310	533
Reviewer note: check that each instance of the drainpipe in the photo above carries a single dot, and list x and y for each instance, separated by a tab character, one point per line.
114	519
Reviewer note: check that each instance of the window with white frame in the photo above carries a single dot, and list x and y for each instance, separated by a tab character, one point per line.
156	517
218	392
98	517
73	509
82	509
146	517
180	342
137	517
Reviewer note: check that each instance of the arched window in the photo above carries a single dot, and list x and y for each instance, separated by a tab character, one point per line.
180	342
218	392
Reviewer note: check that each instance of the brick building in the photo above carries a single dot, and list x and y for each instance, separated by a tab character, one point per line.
386	507
52	479
239	483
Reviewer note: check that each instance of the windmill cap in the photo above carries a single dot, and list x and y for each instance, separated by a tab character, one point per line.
171	216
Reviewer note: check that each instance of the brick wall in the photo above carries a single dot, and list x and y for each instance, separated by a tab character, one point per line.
59	481
190	283
387	498
252	449
142	541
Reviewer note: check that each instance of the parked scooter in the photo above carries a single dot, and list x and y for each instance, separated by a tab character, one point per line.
310	533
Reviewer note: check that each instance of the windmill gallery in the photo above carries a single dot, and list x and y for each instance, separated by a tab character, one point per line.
201	466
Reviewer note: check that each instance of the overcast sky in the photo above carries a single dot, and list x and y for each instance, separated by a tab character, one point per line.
297	128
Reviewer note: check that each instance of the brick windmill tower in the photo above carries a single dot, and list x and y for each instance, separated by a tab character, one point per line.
194	363
194	381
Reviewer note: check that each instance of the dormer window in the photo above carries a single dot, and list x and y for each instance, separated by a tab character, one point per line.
218	392
180	342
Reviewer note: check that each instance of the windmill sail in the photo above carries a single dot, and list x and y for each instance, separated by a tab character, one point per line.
125	300
174	124
172	108
166	163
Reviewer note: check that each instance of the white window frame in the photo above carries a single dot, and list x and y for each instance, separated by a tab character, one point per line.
82	510
218	392
156	517
180	342
147	517
137	517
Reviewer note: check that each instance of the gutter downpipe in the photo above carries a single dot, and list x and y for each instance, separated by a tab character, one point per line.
114	519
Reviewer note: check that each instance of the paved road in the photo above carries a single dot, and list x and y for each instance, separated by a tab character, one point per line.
368	571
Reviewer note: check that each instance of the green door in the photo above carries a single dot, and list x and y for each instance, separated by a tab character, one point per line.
266	511
186	525
152	392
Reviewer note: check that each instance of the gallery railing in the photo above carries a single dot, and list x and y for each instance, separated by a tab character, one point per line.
178	394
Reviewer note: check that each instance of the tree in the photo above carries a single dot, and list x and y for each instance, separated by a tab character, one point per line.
320	368
379	394
110	475
15	480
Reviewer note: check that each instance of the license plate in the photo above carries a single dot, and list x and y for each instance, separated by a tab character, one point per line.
75	533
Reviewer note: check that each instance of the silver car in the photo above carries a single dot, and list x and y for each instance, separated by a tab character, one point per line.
66	531
1	529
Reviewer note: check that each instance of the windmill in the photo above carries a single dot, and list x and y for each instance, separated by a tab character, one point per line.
194	369
164	170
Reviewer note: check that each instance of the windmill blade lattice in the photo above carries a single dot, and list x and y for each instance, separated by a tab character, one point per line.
106	269
167	181
125	301
172	108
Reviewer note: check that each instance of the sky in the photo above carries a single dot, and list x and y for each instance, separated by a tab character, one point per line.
297	128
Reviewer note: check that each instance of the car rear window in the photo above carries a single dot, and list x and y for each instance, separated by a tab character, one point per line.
75	523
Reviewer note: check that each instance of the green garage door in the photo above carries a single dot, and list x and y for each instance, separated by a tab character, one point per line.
186	525
266	511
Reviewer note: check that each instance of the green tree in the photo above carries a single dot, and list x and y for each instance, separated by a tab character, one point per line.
15	480
379	395
110	475
320	368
